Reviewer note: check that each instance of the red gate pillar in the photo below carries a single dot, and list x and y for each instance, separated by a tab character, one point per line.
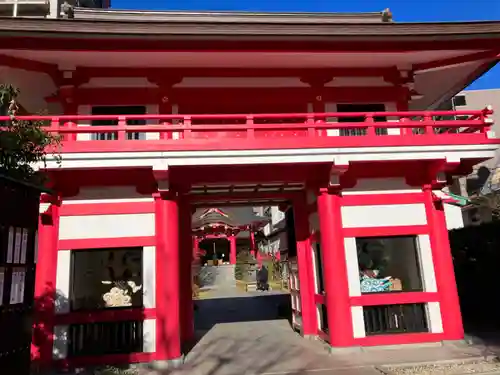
304	257
186	285
45	281
232	249
335	269
167	277
196	247
443	267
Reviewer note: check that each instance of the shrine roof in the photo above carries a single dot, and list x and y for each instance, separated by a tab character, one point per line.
230	216
365	26
232	16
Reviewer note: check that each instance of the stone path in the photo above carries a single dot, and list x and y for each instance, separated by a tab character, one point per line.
243	335
272	348
265	347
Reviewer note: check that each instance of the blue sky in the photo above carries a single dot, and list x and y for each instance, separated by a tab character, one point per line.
403	11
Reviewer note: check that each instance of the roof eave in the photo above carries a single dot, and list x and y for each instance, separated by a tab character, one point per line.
252	27
226	16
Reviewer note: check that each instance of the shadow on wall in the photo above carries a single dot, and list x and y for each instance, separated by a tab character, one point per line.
89	338
44	345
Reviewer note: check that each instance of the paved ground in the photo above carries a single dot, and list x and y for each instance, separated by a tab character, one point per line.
272	348
242	335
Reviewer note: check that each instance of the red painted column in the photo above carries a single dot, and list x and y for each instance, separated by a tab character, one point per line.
443	268
305	264
252	243
186	261
196	247
335	269
167	277
232	249
45	282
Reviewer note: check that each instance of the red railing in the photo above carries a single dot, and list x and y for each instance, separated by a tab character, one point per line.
226	127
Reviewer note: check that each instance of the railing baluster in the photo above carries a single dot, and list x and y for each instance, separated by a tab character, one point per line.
55	125
186	133
370	122
404	130
311	130
164	133
122	128
310	125
70	136
428	124
250	131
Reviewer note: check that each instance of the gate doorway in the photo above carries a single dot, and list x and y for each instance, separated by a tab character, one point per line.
236	297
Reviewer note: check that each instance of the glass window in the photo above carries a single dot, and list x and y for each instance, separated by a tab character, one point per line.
388	264
459	101
106	278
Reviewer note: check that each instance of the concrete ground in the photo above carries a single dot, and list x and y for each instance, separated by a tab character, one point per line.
242	334
272	348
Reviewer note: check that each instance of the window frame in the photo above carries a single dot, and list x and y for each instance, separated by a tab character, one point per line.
71	296
418	264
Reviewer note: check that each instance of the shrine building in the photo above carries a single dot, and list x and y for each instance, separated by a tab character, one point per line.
334	118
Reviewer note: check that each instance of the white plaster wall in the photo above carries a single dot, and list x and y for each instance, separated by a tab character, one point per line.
351	256
426	263
149	277
383	215
63	279
315	261
454	216
106	226
34	87
395	185
434	318
358	321
149	336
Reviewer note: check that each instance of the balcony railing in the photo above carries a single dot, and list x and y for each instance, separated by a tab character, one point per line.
286	130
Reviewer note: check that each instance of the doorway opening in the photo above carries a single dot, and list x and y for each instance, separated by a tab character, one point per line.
241	260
